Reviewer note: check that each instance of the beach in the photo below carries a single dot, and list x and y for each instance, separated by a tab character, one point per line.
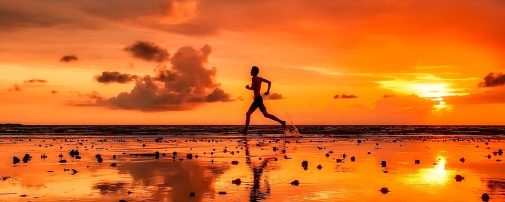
252	168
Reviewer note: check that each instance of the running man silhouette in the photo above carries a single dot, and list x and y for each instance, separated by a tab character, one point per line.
258	99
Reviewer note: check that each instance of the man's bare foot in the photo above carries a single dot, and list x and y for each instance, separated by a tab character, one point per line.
283	124
243	132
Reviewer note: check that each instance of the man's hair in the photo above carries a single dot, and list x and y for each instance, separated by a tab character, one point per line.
255	70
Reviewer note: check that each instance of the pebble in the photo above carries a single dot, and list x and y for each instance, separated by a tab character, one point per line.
459	178
384	190
485	197
236	181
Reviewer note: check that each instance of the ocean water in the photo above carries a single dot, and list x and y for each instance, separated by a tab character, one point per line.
311	130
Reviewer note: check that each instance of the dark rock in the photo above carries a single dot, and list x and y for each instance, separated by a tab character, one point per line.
113	165
417	161
26	158
319	166
99	158
485	197
222	193
189	156
15	160
295	183
462	160
236	181
192	194
384	190
74	153
234	162
383	163
353	159
459	178
305	165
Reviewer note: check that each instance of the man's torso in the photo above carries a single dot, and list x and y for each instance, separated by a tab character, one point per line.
256	85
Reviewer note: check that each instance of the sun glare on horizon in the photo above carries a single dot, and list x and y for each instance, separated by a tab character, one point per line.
434	91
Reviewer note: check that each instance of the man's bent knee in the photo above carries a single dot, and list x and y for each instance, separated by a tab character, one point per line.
248	113
265	113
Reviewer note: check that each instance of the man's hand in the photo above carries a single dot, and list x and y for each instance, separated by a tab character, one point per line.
248	87
266	93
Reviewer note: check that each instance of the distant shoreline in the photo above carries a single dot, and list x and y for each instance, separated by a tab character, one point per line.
11	124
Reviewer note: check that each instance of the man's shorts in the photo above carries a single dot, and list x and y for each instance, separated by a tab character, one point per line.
258	102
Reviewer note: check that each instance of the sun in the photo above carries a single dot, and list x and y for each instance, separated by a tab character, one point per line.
435	92
431	90
428	90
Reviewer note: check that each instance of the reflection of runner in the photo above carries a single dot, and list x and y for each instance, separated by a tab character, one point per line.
256	194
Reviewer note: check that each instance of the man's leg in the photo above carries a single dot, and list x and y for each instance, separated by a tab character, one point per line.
247	120
271	116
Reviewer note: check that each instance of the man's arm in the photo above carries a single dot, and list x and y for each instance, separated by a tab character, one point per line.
249	87
269	85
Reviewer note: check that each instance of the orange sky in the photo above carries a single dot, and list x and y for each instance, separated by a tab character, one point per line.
187	61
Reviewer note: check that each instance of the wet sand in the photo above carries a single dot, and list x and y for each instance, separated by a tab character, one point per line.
222	168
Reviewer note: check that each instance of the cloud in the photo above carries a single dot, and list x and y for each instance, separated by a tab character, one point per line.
218	95
117	77
15	88
493	96
345	96
388	95
92	99
19	87
148	51
274	96
69	58
78	14
183	86
493	80
35	81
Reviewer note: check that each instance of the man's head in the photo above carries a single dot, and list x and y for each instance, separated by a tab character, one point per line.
255	71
